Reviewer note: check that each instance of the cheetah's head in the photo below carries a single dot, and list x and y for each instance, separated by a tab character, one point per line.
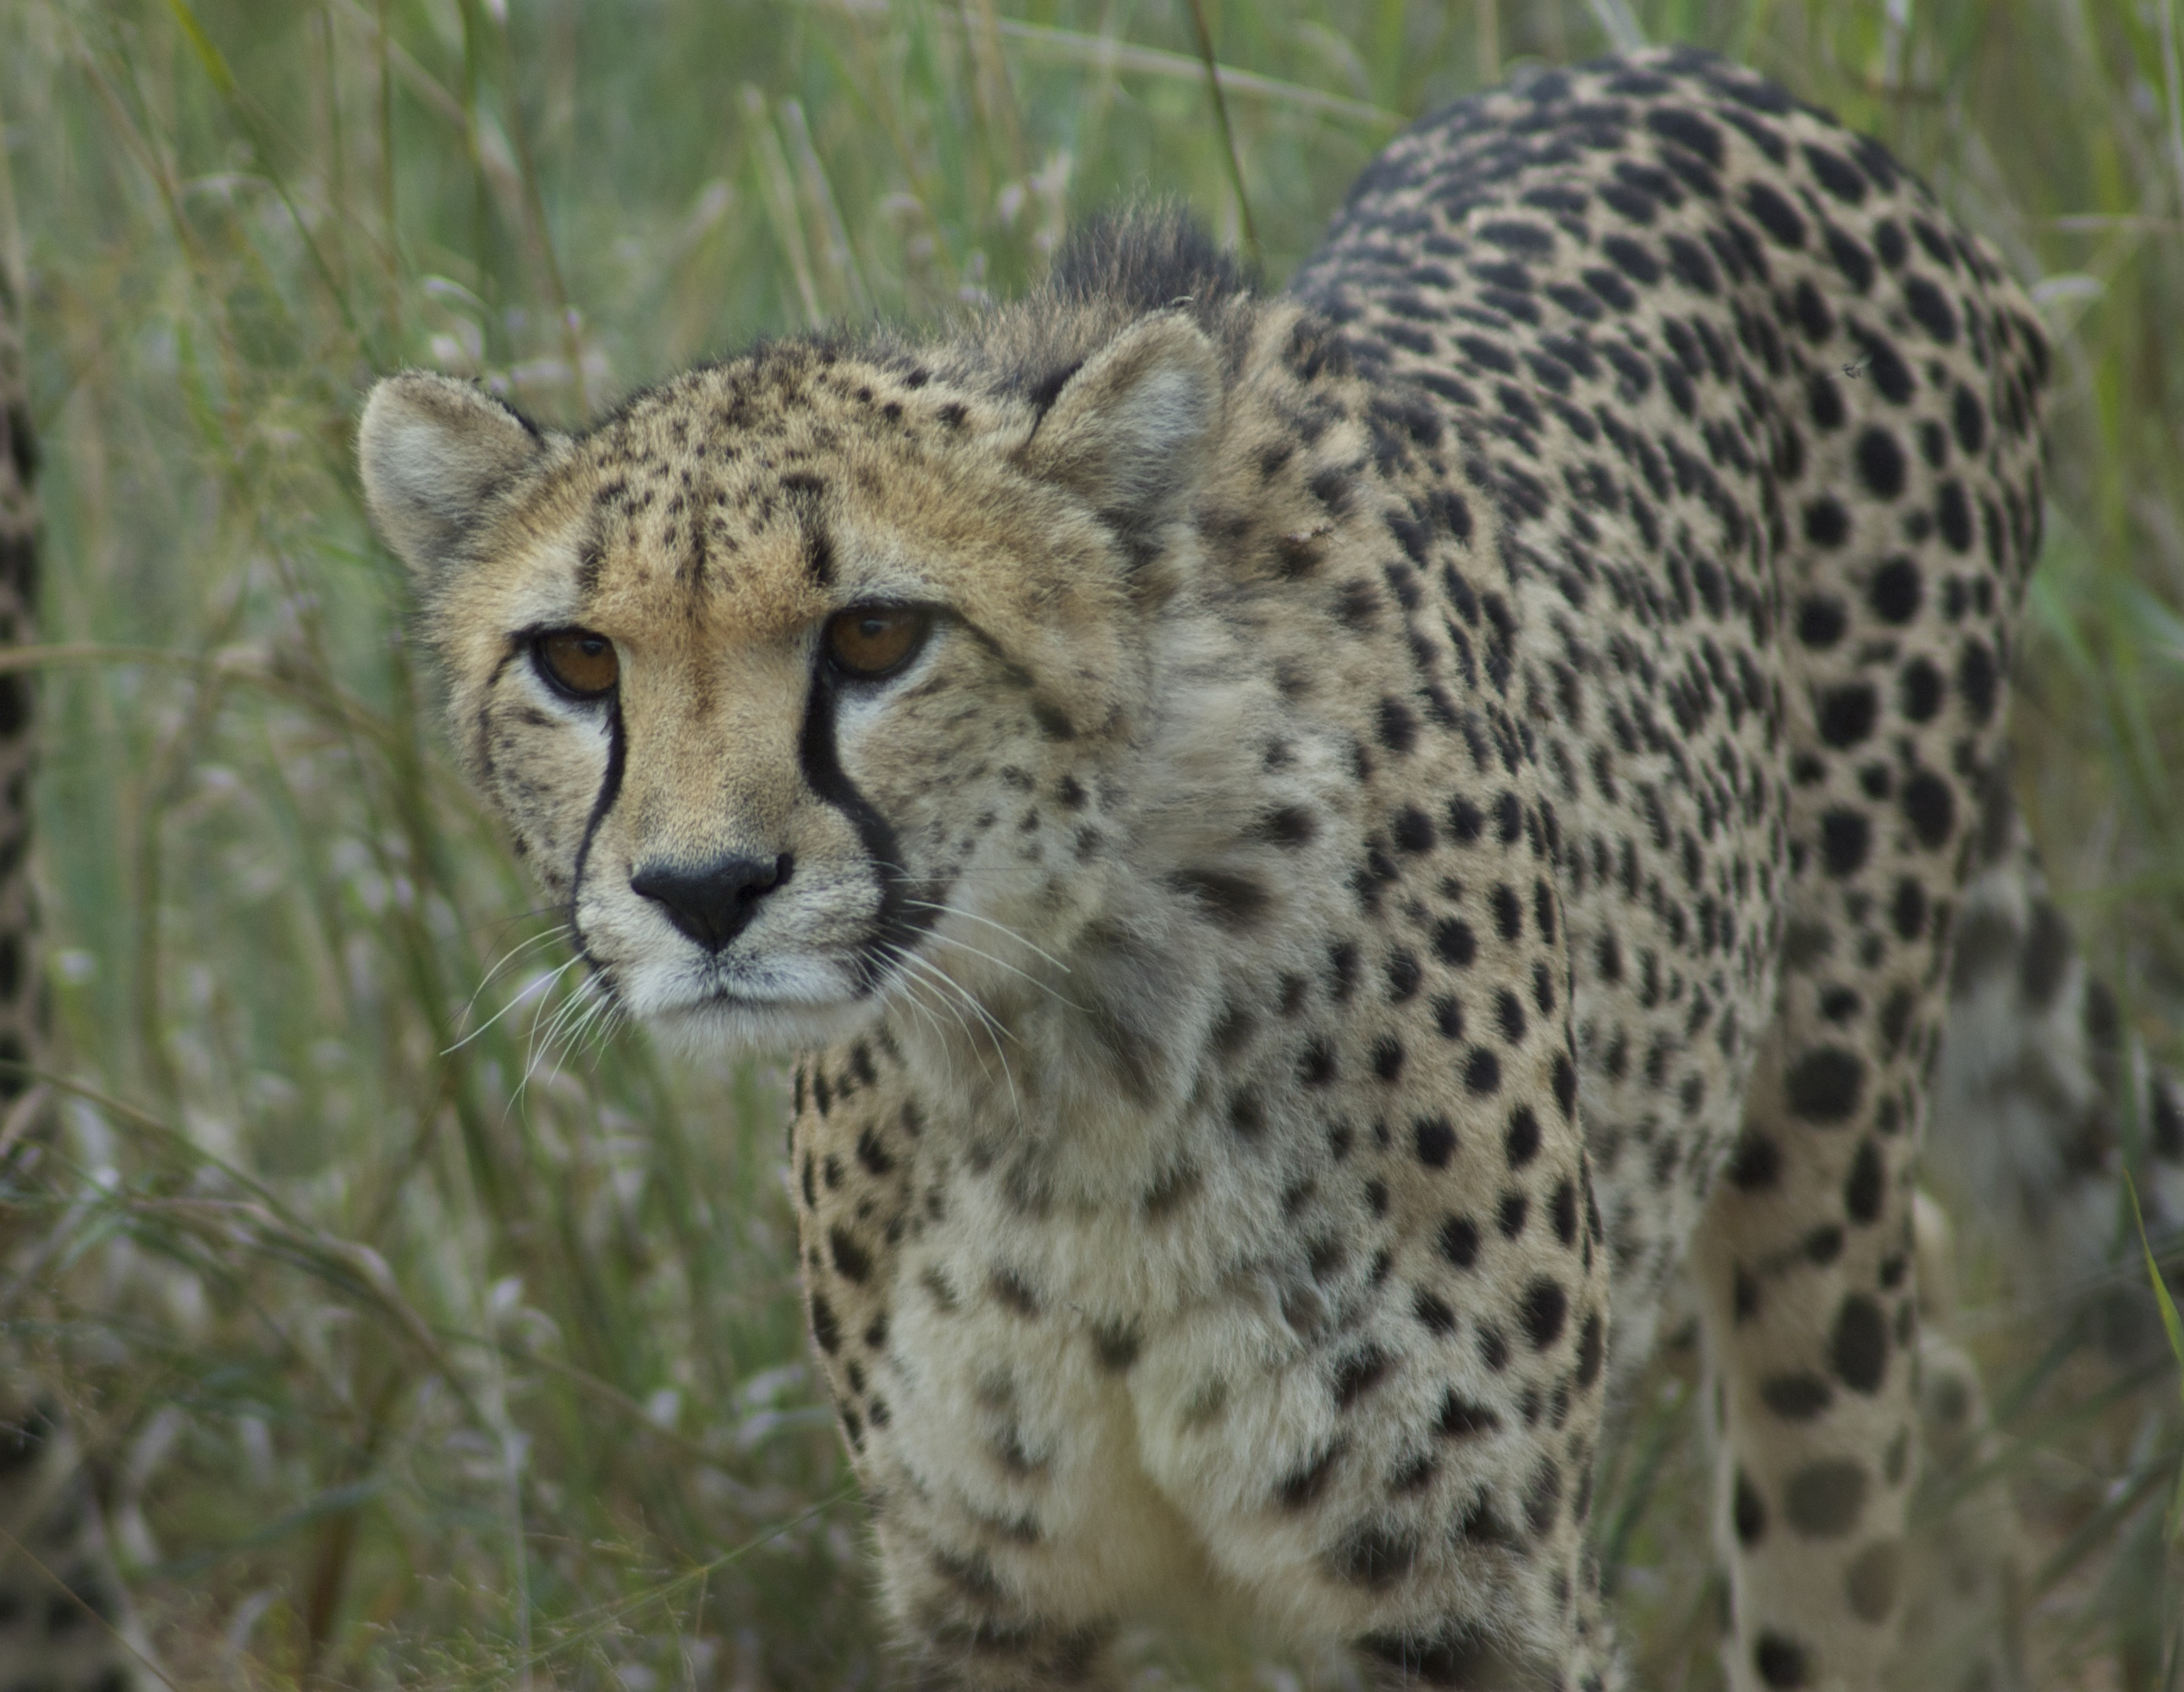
766	671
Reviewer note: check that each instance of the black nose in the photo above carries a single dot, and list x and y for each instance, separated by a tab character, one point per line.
712	902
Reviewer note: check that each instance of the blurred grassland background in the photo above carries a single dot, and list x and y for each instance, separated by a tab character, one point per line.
422	1339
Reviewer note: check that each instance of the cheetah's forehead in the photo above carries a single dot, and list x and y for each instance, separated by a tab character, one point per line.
750	498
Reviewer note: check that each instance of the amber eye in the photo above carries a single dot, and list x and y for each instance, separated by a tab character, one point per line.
868	641
579	662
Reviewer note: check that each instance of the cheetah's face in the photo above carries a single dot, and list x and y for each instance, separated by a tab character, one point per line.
760	670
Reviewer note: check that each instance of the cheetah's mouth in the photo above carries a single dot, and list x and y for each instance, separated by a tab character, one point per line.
771	1004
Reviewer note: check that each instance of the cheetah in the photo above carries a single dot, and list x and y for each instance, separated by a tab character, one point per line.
1321	848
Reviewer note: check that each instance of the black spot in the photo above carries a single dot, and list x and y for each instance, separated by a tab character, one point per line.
1116	1345
1824	1086
1247	1116
1525	240
1858	1351
1690	264
1356	604
1897	591
1852	260
1797	1397
1632	258
1466	821
1755	1165
1399	726
1591	1350
1930	808
1521	1142
1687	129
1461	1418
1436	1142
1846	714
1826	524
1292	826
1305	1484
1777	215
1509	913
1233	901
1862	1190
1930	309
1014	1292
1387	1057
1459	1241
1342	970
1969	419
1952	514
1413	830
1510	1215
1821	622
852	1262
1543	1494
1823	1500
1881	465
1358	1373
1454	942
1836	174
1565	1082
1845	838
1373	1555
1823	402
1921	686
1316	1063
1748	1512
1781	1662
826	1327
1433	1314
1906	911
1977	680
1545	1308
1482	1071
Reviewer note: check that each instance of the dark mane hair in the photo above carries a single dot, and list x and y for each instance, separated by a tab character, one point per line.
1145	259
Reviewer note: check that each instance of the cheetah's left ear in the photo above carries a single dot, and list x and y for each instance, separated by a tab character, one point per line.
434	451
1129	430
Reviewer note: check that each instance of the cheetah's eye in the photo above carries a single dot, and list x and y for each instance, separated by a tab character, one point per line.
578	663
873	640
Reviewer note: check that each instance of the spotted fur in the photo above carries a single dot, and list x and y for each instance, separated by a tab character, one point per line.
1428	801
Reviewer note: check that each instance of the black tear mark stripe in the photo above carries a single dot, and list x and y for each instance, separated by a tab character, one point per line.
897	926
609	788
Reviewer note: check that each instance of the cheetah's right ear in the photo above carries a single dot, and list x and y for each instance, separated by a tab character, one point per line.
433	451
1130	428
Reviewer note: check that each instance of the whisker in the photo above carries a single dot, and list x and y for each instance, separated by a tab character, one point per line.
972	916
995	1032
528	996
542	1041
965	945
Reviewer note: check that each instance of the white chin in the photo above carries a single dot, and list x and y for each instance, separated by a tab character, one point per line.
760	1025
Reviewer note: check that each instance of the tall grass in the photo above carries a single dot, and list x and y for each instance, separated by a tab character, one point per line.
426	1336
